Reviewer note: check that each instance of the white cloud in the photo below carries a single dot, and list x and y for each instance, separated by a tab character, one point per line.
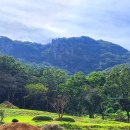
40	20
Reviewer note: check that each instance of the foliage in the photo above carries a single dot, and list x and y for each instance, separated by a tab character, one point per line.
52	77
92	102
42	118
34	89
38	87
75	88
1	115
117	86
120	116
96	79
15	120
36	92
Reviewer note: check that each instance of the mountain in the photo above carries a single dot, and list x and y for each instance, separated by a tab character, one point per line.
73	54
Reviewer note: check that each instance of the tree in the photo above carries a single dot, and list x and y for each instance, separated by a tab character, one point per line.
52	77
59	104
117	86
117	82
125	83
92	102
125	103
95	98
8	86
35	92
75	88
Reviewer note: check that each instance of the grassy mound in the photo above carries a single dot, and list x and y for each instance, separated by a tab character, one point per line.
18	126
42	118
7	104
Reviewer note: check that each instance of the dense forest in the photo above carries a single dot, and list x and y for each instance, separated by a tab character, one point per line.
71	54
42	88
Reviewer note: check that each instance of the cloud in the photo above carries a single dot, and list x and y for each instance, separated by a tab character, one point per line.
41	20
20	31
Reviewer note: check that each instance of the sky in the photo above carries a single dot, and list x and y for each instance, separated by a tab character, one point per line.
41	20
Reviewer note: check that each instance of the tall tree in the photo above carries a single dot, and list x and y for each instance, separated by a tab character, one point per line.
37	93
75	88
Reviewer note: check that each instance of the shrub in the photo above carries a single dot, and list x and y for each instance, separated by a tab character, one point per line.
42	118
68	119
15	120
120	116
1	115
110	110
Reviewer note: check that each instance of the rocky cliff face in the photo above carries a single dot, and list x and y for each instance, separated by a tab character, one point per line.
72	54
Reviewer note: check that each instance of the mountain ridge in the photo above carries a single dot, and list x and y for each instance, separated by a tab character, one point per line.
72	54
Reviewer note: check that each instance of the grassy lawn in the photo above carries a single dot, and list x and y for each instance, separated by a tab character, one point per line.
82	123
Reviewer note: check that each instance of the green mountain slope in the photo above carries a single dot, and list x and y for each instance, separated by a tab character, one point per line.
72	54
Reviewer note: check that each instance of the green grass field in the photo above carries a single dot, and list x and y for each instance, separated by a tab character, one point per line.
82	123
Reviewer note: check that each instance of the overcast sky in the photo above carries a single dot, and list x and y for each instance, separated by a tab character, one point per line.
42	20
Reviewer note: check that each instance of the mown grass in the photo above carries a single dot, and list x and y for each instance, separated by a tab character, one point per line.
82	123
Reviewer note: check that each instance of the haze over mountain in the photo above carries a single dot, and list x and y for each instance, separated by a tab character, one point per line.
72	54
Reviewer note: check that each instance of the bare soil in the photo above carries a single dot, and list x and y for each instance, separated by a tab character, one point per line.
18	126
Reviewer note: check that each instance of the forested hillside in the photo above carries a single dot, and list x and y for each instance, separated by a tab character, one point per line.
42	87
72	54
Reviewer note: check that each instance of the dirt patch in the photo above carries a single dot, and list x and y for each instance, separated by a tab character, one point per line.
7	104
18	126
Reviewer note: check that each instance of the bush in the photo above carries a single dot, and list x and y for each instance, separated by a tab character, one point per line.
42	118
120	116
15	120
1	115
68	119
110	110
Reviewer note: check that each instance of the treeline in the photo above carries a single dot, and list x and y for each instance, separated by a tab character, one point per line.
36	87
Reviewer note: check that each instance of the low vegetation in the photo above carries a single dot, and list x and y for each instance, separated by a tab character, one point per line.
15	120
67	119
42	118
1	115
81	123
